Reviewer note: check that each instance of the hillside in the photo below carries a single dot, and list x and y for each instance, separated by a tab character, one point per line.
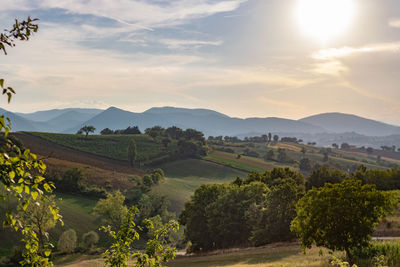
324	129
342	123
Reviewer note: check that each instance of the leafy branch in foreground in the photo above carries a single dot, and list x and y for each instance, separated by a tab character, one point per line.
20	31
20	170
156	253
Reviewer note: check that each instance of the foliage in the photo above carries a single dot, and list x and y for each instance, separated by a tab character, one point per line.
383	179
112	209
39	217
86	129
340	216
129	130
156	252
67	241
323	175
132	151
271	221
89	239
256	210
305	165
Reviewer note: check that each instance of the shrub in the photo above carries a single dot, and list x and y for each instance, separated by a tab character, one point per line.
90	239
67	241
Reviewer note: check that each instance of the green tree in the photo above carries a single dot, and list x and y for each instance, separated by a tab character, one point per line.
112	209
21	172
323	175
156	253
132	152
305	165
106	131
67	241
40	218
340	216
271	220
89	239
86	129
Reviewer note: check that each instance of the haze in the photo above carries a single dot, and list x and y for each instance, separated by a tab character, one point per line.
242	58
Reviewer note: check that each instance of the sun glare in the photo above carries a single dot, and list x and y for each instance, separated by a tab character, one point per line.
324	19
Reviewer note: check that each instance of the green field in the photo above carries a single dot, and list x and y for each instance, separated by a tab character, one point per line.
184	176
110	146
76	212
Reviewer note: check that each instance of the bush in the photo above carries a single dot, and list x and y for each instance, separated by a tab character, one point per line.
67	241
90	239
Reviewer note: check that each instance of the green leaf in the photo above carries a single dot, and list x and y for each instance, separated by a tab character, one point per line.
47	253
34	195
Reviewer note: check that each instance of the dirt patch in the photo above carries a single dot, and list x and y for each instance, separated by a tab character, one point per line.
51	150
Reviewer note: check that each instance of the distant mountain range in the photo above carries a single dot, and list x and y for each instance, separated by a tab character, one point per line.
313	128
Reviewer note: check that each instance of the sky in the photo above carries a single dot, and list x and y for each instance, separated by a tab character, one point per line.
244	58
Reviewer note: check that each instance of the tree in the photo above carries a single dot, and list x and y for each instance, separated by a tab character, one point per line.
340	216
269	155
38	215
21	172
156	252
86	129
112	209
269	137
89	239
276	138
67	241
370	150
166	141
305	165
344	146
132	151
323	175
271	221
106	131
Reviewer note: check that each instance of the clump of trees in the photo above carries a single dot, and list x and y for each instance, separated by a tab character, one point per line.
252	211
129	130
340	216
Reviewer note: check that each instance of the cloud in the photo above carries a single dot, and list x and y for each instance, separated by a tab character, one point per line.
394	22
182	44
134	13
333	53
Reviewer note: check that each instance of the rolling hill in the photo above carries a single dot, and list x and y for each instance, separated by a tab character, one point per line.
343	123
324	129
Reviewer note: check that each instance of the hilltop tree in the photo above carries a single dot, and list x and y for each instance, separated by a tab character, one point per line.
86	129
106	131
370	150
132	153
340	216
276	138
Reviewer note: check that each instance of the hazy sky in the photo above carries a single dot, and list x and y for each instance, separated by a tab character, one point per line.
244	58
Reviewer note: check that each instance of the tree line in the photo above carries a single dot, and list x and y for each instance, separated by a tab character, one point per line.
276	206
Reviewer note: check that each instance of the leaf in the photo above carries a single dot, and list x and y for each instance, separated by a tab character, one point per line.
47	253
34	195
2	83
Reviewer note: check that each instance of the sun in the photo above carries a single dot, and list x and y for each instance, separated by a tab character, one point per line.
324	19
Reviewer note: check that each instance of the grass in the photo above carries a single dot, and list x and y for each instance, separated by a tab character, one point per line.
111	146
185	176
200	168
274	255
